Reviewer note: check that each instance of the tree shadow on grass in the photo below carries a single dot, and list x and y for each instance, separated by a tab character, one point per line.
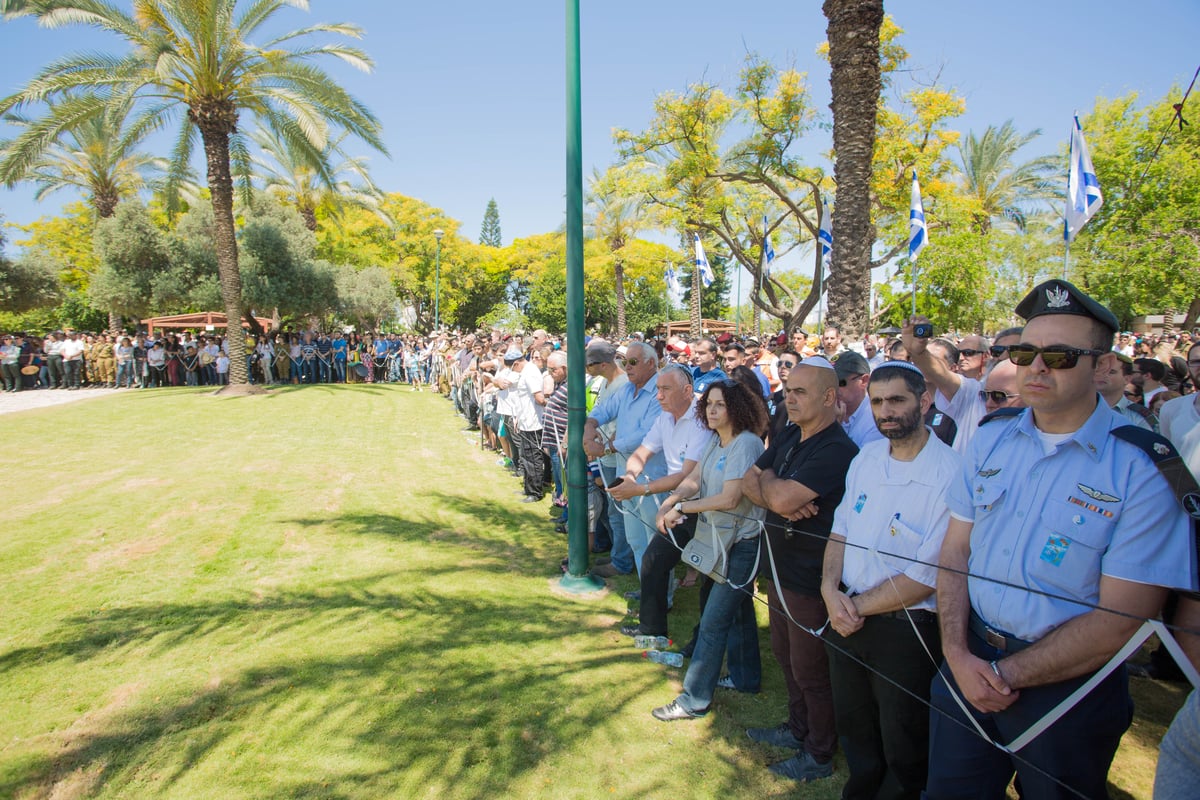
429	711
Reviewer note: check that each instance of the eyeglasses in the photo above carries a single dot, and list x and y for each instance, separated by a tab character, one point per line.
788	364
632	362
1193	362
1054	357
969	353
998	350
1132	395
996	396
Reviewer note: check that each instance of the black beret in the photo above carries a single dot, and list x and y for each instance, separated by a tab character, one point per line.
1063	297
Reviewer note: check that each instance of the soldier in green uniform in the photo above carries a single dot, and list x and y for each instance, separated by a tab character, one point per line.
106	361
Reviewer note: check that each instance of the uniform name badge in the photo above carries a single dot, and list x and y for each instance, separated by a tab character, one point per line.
1056	547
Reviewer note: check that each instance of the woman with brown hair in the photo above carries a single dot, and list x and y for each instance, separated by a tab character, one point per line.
730	523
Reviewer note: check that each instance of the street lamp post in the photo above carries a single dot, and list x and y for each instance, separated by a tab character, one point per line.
437	280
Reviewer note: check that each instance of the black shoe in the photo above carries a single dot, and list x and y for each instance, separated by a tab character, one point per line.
560	527
631	630
636	594
672	712
688	649
779	736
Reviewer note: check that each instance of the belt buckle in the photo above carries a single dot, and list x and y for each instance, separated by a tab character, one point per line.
995	639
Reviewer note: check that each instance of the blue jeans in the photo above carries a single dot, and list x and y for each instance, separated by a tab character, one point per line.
622	553
728	628
639	525
1179	758
125	373
556	471
339	371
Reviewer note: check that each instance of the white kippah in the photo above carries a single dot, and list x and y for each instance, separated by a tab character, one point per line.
899	365
819	362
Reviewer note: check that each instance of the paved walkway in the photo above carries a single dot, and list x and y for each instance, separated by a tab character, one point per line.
40	398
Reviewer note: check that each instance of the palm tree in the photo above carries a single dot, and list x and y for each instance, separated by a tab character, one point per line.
99	158
1001	189
615	217
198	56
854	77
289	175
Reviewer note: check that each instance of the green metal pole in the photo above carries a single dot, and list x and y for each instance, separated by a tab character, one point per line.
577	578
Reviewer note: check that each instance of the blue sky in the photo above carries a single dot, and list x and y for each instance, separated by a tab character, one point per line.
472	94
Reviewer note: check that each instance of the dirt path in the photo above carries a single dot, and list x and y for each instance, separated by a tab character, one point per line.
41	398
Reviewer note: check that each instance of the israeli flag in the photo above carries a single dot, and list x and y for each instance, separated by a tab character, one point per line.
706	273
1083	187
768	249
918	237
672	280
825	234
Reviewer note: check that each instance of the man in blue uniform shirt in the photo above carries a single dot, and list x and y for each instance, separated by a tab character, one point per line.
1049	499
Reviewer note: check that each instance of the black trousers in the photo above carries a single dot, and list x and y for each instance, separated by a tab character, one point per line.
658	569
534	462
1077	750
883	731
54	365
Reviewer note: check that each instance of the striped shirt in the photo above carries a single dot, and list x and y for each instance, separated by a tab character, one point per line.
554	419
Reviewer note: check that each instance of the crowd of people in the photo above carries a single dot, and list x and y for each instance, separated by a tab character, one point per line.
73	360
952	534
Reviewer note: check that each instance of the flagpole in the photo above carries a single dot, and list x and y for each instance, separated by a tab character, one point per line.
1066	258
737	316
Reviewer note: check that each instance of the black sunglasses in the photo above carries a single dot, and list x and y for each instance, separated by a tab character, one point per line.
968	353
788	364
996	396
1054	357
998	350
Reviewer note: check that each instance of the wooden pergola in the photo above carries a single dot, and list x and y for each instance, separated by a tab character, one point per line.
202	320
714	327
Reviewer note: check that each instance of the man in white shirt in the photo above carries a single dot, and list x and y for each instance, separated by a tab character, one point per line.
528	401
854	412
680	437
72	355
955	395
878	582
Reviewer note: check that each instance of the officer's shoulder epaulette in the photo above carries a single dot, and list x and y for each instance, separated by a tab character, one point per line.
1001	413
1142	411
1159	448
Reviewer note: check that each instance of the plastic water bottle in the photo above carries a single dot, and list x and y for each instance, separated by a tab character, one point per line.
651	642
663	657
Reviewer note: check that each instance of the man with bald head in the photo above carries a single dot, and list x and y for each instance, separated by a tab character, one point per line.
1000	387
800	480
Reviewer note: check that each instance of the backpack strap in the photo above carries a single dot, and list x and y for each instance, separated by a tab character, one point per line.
1171	466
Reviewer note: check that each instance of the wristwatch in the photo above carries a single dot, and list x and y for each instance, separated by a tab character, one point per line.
679	506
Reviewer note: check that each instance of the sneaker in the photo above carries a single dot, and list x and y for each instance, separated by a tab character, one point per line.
636	594
802	767
673	711
779	736
725	682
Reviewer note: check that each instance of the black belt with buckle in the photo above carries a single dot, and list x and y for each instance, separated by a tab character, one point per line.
919	615
1004	642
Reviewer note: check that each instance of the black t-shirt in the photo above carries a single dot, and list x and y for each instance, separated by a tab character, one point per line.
820	463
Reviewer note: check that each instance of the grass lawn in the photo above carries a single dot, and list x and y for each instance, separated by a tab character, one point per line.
332	592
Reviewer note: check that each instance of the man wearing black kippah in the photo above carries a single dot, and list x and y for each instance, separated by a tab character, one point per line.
1057	509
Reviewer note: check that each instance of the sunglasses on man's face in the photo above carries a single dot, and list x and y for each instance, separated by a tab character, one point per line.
632	362
1055	356
996	396
969	353
787	364
998	350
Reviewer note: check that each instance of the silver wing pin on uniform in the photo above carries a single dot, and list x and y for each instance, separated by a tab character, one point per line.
987	473
1096	494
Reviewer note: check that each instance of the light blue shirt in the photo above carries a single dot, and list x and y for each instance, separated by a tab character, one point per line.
701	380
1094	505
636	411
